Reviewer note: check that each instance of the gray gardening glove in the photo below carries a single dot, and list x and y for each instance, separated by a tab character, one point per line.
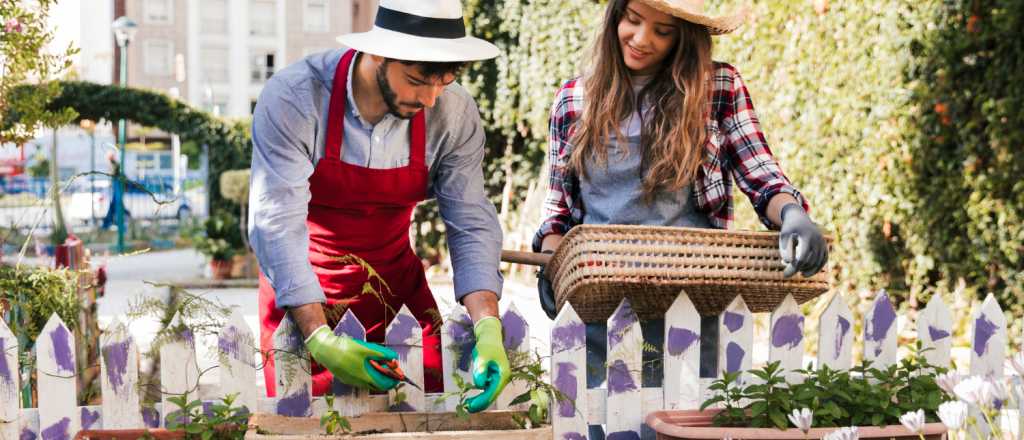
801	243
546	292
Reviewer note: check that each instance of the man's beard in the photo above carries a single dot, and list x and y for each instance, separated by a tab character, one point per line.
390	98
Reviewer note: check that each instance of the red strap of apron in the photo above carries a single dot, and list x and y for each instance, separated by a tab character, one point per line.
336	131
339	95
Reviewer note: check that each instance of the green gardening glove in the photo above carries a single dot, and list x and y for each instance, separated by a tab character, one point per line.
348	359
490	364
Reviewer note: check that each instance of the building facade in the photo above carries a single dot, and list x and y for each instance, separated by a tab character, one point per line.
218	54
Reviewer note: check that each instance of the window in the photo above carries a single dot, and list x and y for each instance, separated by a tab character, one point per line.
214	64
158	11
165	162
315	16
158	57
262	67
145	162
214	17
261	17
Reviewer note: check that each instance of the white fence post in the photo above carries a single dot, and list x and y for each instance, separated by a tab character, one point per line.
457	341
294	383
58	407
9	383
350	401
880	332
405	335
179	371
119	378
237	349
568	372
682	355
517	345
835	335
988	339
935	331
786	338
735	338
625	350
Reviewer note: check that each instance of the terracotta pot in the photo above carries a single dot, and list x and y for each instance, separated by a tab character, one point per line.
696	425
220	269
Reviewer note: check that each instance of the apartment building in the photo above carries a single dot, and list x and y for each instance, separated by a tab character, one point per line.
218	54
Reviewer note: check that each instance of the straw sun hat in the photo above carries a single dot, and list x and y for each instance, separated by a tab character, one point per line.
693	12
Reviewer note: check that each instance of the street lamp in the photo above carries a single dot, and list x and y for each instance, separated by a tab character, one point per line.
124	29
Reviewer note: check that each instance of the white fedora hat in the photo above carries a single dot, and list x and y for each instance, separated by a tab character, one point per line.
420	30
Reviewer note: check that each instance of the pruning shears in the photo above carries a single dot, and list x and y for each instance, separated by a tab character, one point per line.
392	370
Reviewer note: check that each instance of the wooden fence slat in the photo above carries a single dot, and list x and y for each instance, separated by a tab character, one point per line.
236	355
625	351
835	335
119	378
988	338
935	331
405	335
350	401
568	372
91	417
682	355
517	345
880	332
457	341
736	338
59	417
28	425
294	384
179	371
786	338
10	381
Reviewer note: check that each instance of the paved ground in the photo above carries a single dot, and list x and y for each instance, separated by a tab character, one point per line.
129	279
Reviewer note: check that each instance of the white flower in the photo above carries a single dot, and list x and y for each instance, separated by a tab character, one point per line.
998	392
846	433
973	391
913	421
948	381
1017	362
953	414
802	419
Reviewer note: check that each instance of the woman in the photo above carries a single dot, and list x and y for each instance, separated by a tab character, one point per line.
650	135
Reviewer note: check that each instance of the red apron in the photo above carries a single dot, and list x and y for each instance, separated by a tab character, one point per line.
363	212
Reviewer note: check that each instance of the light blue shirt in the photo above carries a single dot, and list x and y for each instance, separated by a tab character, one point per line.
288	130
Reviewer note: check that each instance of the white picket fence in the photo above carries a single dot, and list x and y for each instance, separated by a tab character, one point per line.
620	406
59	417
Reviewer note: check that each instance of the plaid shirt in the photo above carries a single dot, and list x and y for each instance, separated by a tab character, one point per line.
736	146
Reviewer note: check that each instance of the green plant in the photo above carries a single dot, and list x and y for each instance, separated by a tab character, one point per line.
332	421
220	238
220	421
32	295
861	397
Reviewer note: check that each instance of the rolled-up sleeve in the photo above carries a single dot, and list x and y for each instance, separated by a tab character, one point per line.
283	133
471	222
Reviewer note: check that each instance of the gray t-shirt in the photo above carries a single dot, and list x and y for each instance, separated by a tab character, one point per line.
613	194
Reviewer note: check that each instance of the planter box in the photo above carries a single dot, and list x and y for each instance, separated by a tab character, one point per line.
696	425
492	425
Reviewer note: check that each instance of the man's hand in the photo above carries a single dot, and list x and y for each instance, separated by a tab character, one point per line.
801	243
348	359
491	370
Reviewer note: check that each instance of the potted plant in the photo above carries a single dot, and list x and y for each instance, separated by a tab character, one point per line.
900	401
219	240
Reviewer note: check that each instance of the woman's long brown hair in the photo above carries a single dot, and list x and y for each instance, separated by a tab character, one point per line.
674	133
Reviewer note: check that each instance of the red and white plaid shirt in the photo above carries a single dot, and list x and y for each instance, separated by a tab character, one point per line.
736	146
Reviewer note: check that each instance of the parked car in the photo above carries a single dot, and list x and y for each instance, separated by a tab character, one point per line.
145	200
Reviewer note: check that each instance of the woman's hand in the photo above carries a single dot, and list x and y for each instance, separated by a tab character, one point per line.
801	242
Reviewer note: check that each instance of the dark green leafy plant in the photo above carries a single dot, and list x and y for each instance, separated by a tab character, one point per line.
221	421
861	397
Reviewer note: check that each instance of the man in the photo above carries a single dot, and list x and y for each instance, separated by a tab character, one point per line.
346	143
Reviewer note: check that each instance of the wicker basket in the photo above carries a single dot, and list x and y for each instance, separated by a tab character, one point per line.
598	265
